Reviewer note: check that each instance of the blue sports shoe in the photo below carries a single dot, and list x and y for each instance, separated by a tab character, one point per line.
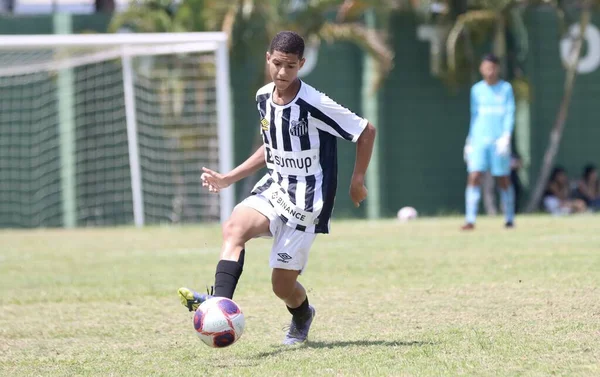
295	334
192	299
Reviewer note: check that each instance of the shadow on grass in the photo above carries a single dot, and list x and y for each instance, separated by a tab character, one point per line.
337	344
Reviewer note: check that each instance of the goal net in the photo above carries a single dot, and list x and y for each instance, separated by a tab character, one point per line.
113	129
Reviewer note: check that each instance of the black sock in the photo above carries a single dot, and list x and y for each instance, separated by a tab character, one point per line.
301	314
227	276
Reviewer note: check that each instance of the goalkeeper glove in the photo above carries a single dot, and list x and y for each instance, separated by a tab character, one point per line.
503	145
467	150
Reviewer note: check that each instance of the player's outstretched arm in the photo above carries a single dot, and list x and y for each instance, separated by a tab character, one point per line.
364	149
215	181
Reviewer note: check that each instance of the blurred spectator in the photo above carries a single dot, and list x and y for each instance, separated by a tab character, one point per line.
588	188
7	6
515	165
106	6
557	199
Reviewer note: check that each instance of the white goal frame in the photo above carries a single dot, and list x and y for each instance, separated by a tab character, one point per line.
124	46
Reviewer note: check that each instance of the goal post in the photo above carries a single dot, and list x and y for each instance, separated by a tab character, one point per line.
123	138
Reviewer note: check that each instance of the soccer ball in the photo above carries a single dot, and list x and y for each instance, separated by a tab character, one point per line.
407	213
219	322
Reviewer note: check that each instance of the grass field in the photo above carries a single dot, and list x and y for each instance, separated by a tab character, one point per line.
416	299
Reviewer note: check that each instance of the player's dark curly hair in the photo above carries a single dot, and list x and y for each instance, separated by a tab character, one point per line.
288	42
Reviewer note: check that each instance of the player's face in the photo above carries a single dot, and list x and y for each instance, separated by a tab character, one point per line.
283	68
489	71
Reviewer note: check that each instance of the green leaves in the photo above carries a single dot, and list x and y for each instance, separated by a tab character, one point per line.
369	40
316	20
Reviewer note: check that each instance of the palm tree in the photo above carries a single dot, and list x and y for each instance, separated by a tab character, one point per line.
310	19
468	26
465	26
158	16
264	18
169	86
563	110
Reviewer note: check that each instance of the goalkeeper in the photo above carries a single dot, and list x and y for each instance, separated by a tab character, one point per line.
487	146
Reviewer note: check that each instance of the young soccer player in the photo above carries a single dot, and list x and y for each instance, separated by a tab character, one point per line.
488	143
293	202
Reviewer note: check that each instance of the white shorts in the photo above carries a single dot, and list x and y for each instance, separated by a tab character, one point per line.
290	246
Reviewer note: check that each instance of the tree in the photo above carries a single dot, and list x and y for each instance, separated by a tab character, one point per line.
254	22
561	117
160	16
169	16
464	26
314	20
311	19
468	26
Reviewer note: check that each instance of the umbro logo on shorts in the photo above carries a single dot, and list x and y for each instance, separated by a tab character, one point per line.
284	257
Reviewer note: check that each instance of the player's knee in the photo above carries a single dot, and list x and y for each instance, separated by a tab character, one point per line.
282	286
233	230
282	290
475	179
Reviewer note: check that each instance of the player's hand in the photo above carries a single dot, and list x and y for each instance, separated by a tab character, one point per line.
503	145
213	180
358	191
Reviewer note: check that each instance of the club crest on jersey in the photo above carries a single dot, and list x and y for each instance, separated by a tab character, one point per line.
298	128
264	124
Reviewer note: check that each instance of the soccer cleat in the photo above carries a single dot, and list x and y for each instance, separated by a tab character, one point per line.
192	299
509	225
468	226
295	334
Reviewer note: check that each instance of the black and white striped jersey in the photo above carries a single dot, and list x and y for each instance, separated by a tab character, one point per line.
300	141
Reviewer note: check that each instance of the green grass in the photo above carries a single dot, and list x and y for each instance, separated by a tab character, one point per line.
415	299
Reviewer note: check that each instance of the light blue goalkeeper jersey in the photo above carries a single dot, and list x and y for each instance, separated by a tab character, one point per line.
492	112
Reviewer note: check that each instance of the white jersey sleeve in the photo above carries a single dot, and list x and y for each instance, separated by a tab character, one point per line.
335	119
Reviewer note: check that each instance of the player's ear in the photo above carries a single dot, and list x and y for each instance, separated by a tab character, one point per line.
268	56
301	63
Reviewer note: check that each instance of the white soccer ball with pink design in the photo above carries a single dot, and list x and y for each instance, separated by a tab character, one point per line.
219	322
